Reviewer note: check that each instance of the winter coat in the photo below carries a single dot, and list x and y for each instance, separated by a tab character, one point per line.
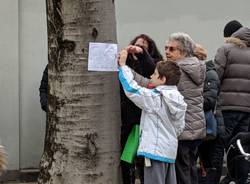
162	120
43	90
191	87
144	65
210	95
211	87
232	63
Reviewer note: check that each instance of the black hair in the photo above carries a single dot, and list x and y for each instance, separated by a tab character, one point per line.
152	48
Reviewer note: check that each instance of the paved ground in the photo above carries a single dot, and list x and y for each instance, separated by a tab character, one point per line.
136	182
18	183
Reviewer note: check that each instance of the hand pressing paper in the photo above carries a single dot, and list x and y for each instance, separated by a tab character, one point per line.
102	57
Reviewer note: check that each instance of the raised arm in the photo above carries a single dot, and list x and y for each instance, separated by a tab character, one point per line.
142	97
147	62
142	81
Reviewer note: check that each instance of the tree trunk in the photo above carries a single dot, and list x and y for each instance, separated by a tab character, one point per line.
83	123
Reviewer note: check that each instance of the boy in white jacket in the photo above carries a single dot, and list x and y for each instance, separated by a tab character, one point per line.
162	119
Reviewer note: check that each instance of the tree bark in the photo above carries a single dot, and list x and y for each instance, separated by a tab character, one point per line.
83	121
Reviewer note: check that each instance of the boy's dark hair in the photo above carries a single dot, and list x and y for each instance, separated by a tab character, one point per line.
170	70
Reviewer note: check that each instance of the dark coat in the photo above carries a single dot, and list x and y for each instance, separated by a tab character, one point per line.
130	113
211	87
210	94
43	90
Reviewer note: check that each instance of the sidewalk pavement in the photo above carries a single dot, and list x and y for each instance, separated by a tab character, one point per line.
14	182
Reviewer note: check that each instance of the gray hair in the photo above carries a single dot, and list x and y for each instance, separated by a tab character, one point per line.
186	43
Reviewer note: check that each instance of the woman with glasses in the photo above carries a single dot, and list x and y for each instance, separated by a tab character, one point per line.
180	49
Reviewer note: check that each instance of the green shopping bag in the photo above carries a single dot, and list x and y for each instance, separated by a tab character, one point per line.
131	145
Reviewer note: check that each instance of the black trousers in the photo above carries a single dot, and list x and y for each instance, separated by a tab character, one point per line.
235	122
205	153
186	170
208	155
129	170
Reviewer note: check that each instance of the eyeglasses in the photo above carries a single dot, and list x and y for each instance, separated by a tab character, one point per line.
171	48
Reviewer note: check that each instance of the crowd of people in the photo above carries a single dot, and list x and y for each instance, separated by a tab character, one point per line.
171	113
169	98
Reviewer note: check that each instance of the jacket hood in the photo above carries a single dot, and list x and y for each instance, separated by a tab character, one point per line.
210	65
194	68
240	38
175	101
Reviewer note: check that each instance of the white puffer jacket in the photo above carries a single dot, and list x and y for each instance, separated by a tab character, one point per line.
162	119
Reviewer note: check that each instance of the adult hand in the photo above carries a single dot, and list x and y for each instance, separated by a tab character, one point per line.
134	49
122	57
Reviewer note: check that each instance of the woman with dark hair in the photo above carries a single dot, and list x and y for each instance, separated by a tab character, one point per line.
149	44
142	58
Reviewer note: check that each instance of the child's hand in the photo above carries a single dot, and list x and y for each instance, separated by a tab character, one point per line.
122	57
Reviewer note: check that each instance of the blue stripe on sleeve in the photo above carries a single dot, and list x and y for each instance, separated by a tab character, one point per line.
125	83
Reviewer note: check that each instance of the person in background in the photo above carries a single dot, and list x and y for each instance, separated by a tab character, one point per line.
180	49
163	114
232	64
210	93
43	90
143	62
